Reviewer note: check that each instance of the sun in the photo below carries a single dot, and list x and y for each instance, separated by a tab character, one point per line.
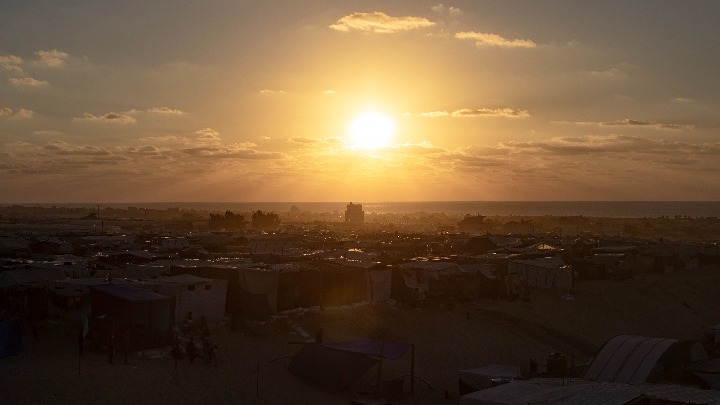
371	130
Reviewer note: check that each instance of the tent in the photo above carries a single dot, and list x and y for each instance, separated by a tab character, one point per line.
338	365
552	392
637	360
118	306
481	378
204	297
546	272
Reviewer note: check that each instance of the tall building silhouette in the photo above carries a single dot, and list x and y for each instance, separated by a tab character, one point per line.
354	214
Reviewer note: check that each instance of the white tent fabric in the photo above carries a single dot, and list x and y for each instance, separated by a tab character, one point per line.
203	296
379	284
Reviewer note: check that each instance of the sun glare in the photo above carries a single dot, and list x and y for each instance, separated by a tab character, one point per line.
371	130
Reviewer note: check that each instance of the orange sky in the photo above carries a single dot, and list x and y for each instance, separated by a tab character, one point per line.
253	101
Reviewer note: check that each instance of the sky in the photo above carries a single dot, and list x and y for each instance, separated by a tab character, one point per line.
268	100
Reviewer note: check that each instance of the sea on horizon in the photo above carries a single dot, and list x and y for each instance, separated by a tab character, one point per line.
612	209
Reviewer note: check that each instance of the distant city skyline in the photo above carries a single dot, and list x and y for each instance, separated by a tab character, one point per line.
359	101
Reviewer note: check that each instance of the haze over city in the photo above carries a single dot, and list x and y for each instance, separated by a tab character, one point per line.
364	100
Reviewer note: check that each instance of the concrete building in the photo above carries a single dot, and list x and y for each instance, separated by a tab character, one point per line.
354	214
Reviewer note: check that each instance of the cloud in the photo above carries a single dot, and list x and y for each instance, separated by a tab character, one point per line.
10	59
62	148
147	150
491	112
109	117
639	124
612	73
329	92
493	40
47	133
442	9
433	114
27	81
683	100
237	151
52	58
10	112
380	23
618	145
305	140
165	110
208	134
11	63
268	91
652	124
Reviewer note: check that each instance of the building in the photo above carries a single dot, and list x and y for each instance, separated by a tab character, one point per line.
354	214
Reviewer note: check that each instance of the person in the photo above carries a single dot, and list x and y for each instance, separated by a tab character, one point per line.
187	323
111	347
191	350
126	343
81	342
208	350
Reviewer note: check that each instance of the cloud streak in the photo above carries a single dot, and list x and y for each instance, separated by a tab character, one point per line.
379	23
487	40
27	81
9	112
476	112
52	58
111	117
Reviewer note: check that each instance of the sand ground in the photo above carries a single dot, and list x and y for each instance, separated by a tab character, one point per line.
469	335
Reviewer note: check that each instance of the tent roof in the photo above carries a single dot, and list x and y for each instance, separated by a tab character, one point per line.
388	350
538	392
129	293
628	359
183	279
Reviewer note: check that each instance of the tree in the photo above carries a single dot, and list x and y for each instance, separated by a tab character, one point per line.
227	221
265	220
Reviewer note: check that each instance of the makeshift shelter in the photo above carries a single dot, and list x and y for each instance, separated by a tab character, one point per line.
338	365
551	392
637	360
10	337
434	279
152	315
379	283
544	273
228	273
487	376
204	297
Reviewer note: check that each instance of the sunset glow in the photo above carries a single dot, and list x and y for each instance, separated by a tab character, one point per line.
470	100
371	130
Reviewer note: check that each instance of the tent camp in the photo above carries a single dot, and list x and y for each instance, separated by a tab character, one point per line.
201	296
119	306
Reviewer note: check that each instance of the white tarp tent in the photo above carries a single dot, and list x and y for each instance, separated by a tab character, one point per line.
203	296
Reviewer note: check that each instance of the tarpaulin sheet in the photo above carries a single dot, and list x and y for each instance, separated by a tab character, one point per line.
388	350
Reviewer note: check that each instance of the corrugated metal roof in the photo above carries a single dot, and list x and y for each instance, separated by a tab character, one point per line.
627	359
538	392
679	393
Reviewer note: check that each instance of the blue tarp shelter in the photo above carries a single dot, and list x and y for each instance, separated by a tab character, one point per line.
10	337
